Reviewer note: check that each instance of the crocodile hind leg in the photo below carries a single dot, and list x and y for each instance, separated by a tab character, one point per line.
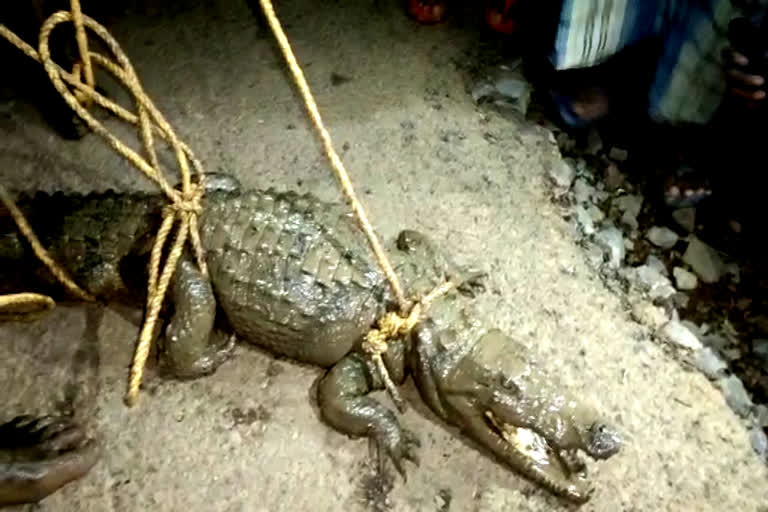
38	456
191	347
344	404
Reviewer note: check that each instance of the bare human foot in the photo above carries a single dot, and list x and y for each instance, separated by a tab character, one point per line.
38	456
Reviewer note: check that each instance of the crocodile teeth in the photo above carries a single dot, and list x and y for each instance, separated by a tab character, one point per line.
524	440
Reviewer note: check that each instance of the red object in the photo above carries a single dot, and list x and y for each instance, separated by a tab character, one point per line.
499	20
426	11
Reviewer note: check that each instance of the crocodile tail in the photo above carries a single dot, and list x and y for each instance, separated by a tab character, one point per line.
89	236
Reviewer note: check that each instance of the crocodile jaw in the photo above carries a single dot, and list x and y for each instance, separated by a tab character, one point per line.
540	461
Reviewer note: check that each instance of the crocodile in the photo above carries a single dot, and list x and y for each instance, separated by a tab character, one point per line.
295	275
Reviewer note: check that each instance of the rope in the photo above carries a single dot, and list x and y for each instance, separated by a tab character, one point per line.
82	45
336	163
24	305
58	272
391	325
185	204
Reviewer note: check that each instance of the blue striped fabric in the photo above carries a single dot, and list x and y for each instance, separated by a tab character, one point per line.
688	85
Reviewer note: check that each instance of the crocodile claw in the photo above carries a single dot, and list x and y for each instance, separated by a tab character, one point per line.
399	447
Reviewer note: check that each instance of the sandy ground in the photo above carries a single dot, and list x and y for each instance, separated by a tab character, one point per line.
249	437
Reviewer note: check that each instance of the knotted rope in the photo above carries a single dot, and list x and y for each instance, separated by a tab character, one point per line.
185	204
393	325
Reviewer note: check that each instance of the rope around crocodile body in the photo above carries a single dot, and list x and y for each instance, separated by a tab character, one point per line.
184	204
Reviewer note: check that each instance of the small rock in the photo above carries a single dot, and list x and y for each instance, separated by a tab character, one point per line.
629	220
594	143
563	174
681	300
663	291
675	332
698	331
630	205
583	191
716	341
654	262
685	218
629	245
618	154
761	415
662	237
595	213
648	314
594	255
582	169
709	363
760	349
759	443
601	196
584	220
735	395
704	261
505	86
683	279
732	354
658	285
612	243
613	177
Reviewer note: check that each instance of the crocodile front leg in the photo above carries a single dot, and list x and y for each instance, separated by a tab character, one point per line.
191	348
344	404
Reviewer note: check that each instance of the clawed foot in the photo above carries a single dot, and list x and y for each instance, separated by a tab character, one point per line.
38	456
204	365
399	446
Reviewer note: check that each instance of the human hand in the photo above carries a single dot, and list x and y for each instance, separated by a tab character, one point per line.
746	61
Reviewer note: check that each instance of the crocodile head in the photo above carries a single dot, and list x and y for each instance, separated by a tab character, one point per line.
501	402
482	381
